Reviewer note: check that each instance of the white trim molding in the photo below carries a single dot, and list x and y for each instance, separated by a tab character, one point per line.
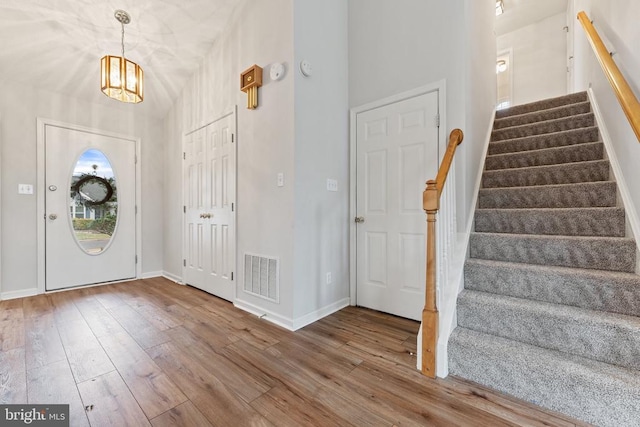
286	322
23	293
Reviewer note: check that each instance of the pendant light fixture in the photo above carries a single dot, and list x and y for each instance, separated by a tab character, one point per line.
120	78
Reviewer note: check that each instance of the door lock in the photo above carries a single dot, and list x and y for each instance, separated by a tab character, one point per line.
205	215
359	219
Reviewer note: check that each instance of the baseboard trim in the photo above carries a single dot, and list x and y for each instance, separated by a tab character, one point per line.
288	323
151	274
18	294
267	315
314	316
172	277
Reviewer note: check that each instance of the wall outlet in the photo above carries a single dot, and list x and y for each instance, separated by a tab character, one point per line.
329	279
280	179
332	184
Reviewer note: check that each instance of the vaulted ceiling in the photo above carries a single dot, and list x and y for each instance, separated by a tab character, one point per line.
57	44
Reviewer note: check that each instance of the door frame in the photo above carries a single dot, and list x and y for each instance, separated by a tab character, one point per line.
440	88
507	52
41	193
230	112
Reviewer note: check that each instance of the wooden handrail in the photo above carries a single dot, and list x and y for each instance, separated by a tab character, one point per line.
625	95
431	204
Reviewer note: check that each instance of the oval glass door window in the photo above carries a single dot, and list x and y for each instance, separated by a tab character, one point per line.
93	204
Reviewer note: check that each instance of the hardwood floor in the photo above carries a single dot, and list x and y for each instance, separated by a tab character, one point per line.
151	352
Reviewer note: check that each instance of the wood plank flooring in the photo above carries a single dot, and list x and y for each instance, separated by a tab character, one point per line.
151	352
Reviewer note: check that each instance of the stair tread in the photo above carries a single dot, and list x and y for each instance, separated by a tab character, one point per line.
544	128
546	156
530	116
589	390
543	104
563	173
559	310
555	139
583	221
599	335
584	194
601	290
596	252
630	278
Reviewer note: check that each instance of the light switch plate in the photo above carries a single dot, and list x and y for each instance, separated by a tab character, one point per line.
25	189
332	184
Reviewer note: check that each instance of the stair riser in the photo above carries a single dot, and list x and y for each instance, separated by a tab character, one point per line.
592	392
540	142
575	153
575	196
552	126
581	252
547	175
553	327
577	288
568	222
543	105
541	116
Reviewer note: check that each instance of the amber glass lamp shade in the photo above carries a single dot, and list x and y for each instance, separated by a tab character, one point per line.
121	79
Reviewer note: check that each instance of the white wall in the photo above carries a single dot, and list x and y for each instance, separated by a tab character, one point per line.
258	33
19	108
395	46
616	20
539	59
299	129
321	152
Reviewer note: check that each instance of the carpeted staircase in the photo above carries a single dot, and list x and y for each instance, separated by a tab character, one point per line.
551	305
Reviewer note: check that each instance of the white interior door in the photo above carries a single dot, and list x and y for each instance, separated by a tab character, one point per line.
397	151
90	227
210	188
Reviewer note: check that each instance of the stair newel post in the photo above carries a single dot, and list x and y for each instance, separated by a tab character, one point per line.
430	203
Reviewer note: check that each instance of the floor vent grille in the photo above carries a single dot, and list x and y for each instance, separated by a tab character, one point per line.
261	276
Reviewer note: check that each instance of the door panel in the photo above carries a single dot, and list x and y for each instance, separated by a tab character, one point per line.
209	264
397	151
101	246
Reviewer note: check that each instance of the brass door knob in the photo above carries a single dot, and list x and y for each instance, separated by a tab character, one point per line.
359	219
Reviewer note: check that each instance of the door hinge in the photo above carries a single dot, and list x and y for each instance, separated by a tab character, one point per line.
136	259
184	209
184	155
136	209
232	138
135	159
232	275
232	206
184	262
437	120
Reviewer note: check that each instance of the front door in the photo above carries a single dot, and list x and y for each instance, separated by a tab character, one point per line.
90	230
209	190
397	151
